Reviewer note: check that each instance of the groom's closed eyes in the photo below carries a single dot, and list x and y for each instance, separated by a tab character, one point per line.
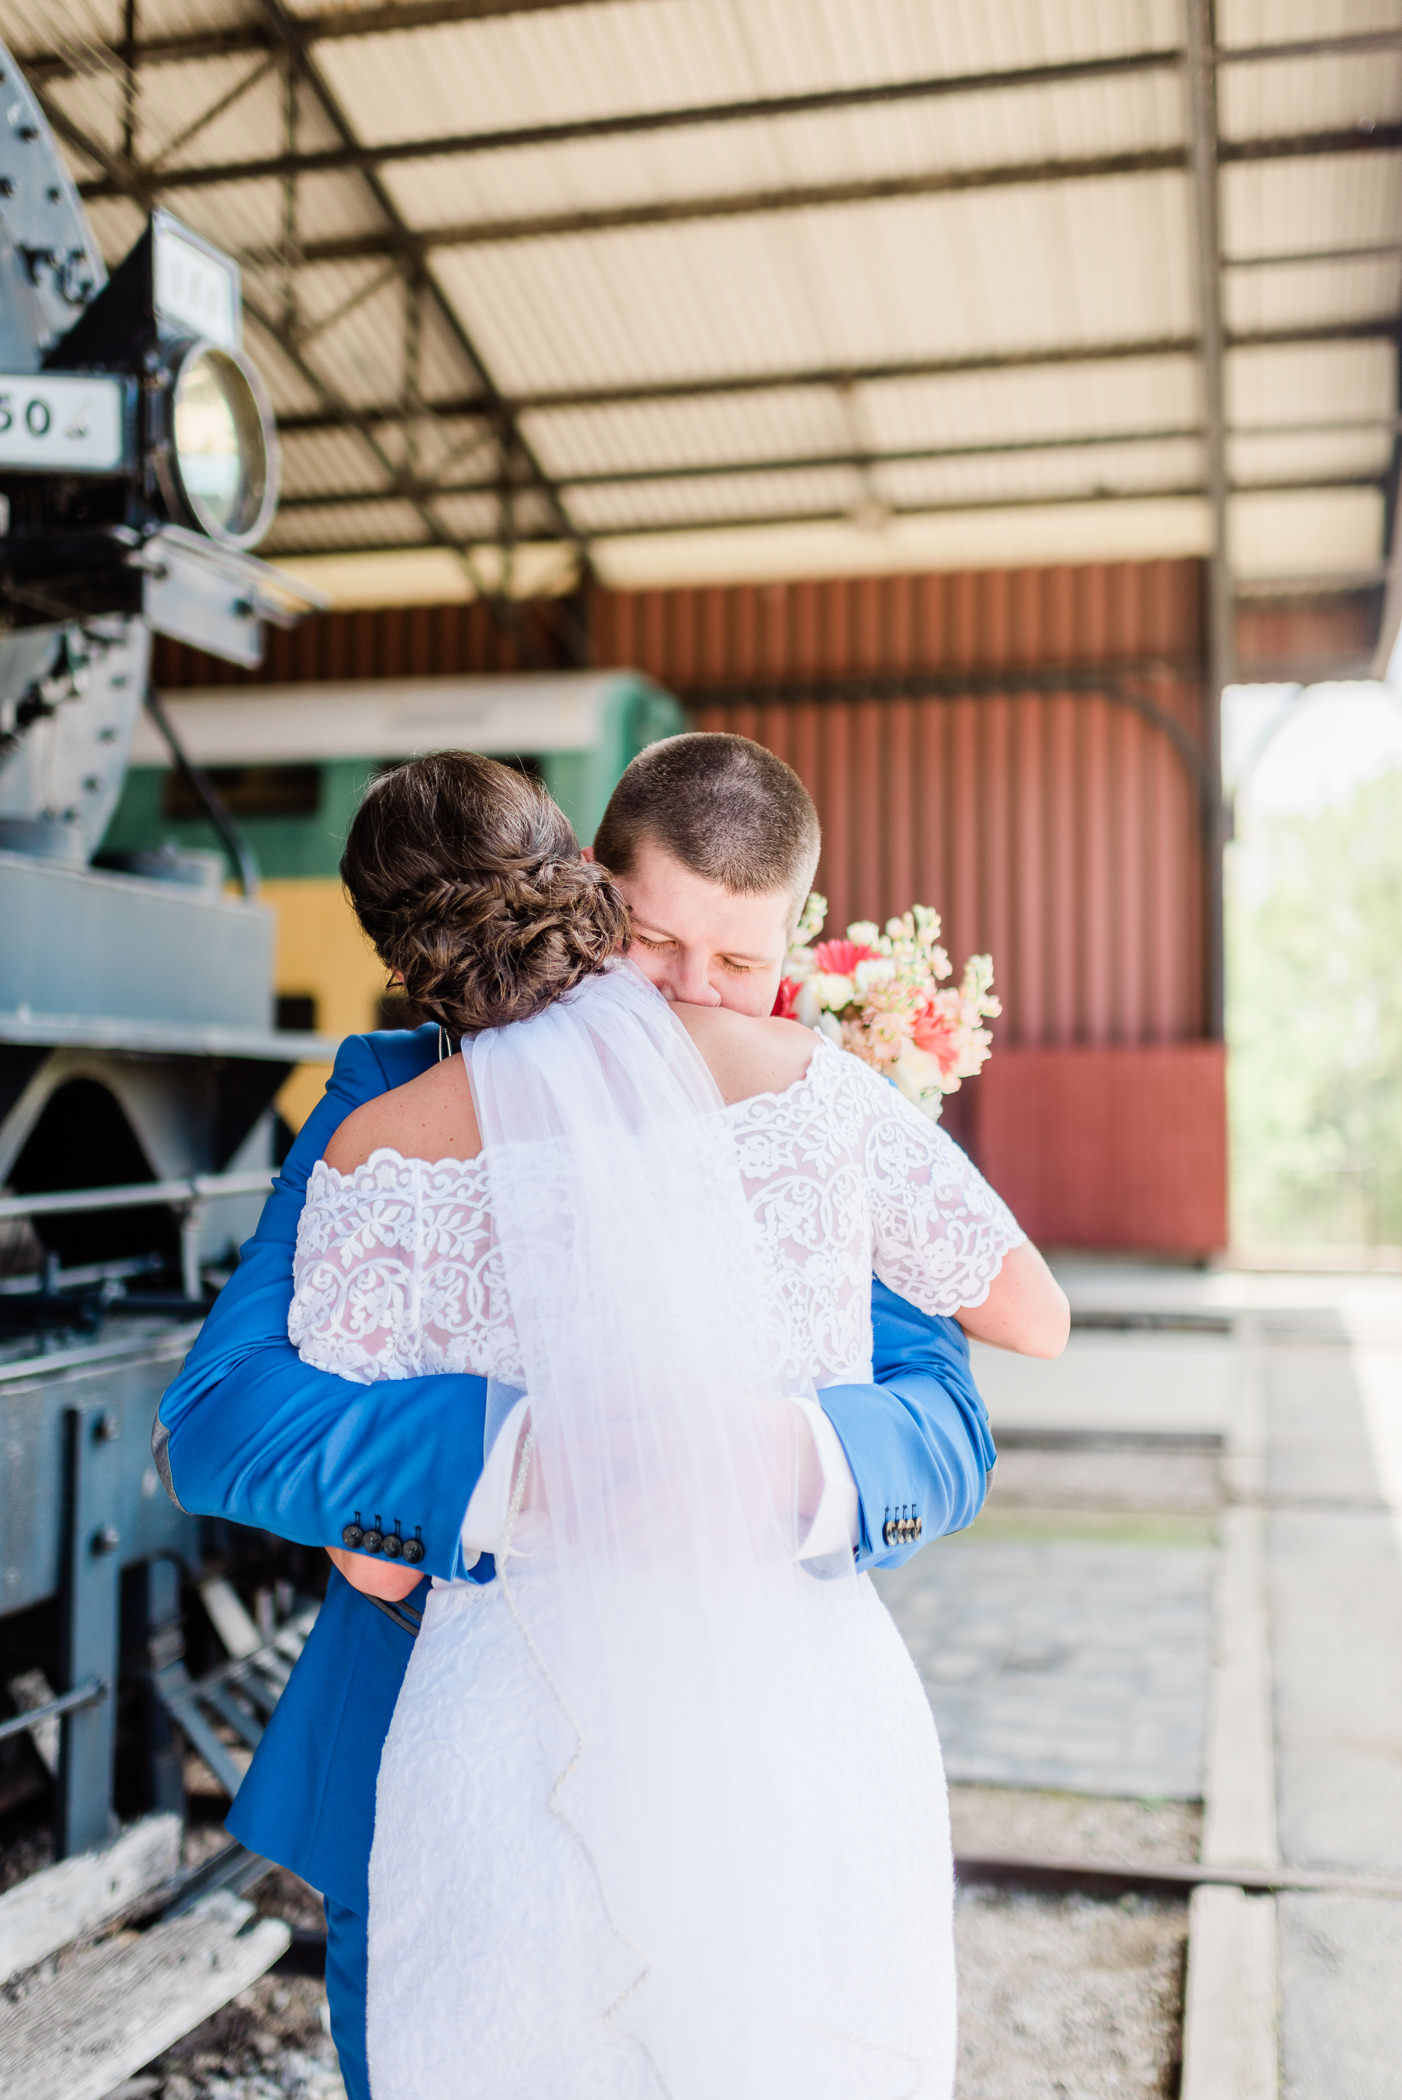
659	942
700	943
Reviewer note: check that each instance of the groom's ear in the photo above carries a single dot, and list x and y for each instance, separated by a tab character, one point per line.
586	852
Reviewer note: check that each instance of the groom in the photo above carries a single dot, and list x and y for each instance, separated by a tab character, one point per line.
713	842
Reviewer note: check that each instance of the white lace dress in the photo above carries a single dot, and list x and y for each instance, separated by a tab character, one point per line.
475	1886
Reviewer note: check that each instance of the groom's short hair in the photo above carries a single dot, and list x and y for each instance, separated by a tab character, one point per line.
724	807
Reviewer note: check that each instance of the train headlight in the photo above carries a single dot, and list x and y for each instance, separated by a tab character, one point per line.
138	451
218	464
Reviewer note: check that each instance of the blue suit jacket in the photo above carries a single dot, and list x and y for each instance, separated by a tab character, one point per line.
251	1433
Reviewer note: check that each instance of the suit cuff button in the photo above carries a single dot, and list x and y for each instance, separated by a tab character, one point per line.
393	1545
351	1536
413	1551
371	1542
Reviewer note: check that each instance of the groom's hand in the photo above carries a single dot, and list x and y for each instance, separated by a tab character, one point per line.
375	1578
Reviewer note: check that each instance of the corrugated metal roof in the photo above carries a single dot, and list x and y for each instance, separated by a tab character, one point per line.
366	524
835	267
317	459
981	275
1310	383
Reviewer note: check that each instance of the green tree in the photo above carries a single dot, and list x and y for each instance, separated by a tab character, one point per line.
1315	1029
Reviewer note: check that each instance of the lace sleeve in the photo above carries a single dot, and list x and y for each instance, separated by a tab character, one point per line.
939	1233
355	1276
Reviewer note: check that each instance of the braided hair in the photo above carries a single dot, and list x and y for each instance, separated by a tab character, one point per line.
467	879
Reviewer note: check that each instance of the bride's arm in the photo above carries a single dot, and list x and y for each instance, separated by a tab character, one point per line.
942	1238
1025	1309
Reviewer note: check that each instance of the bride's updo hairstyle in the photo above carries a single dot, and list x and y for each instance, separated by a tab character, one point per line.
467	878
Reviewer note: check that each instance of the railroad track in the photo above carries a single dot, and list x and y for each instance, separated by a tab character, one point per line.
112	1955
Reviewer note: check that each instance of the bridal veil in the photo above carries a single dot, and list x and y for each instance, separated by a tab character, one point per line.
655	1508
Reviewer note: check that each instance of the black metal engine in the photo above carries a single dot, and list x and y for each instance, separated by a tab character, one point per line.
138	1060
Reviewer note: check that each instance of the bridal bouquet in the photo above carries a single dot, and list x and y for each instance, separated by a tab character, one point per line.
884	997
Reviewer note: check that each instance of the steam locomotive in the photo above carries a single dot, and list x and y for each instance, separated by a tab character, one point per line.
138	1055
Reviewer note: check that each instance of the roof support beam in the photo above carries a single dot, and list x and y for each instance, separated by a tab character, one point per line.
1202	105
77	57
827	515
857	462
635	123
741	204
1390	615
1291	485
407	15
1298	258
725	385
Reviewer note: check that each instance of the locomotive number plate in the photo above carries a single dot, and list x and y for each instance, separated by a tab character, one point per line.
54	423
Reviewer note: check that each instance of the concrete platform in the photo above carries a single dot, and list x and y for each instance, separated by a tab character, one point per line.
1142	1613
1078	1667
1133	1384
1312	1406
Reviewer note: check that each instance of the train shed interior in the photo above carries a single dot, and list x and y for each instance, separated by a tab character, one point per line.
956	399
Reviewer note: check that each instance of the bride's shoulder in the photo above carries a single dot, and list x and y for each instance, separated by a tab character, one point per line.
430	1117
748	1055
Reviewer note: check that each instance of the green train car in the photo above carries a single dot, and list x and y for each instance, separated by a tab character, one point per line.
291	762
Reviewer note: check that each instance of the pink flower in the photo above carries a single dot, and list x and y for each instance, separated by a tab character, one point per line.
840	958
786	999
938	1031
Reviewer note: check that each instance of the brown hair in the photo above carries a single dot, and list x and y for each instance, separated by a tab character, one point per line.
468	881
724	807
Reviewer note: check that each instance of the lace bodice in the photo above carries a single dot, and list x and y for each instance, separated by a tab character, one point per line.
397	1270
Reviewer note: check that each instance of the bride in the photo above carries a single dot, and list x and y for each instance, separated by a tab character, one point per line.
661	1815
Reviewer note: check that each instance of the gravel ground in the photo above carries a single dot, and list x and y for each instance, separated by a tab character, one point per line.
1069	1997
1072	1826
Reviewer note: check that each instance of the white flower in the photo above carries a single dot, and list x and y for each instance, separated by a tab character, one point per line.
831	1027
880	970
810	919
833	992
807	1007
866	933
917	1074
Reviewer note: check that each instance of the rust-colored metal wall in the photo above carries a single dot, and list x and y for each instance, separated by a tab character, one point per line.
391	641
1303	636
1056	824
1107	1148
978	619
1056	831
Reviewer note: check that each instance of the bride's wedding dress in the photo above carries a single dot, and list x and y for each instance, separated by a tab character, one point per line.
509	1955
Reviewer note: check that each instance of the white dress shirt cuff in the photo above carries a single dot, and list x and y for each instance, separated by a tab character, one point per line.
485	1520
836	1525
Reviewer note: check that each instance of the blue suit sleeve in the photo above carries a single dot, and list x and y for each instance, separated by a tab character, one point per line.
249	1432
918	1441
